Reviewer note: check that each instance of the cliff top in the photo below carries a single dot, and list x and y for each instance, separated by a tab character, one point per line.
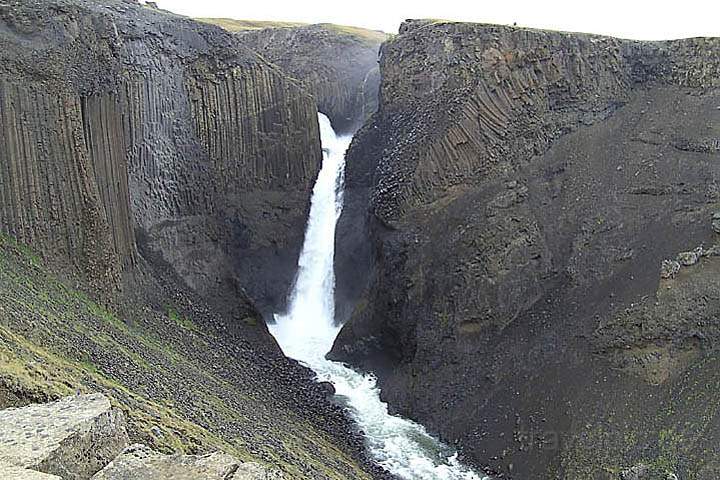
88	43
234	25
419	23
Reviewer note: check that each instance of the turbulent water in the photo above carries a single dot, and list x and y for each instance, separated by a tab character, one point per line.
307	331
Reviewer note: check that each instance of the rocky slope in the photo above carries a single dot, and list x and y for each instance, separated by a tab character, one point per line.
524	188
337	64
138	462
184	381
160	172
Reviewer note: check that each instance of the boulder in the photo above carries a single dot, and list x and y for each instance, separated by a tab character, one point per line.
716	222
255	471
72	438
713	251
688	258
645	472
638	472
139	462
669	268
11	472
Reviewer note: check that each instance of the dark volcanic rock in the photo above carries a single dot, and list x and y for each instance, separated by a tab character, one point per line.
157	128
337	64
524	188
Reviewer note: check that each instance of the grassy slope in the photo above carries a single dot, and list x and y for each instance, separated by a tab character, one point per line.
157	366
232	25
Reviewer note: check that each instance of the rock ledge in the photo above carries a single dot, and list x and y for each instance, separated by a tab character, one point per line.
72	438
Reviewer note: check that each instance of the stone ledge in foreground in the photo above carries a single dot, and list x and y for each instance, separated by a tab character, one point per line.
139	462
72	438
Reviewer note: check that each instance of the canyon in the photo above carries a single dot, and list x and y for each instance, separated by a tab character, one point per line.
525	264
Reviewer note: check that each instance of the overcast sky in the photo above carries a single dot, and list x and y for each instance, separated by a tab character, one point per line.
638	19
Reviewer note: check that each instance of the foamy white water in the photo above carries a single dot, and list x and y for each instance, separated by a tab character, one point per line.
307	331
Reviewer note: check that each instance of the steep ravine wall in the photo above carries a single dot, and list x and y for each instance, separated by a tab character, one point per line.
338	65
186	139
50	191
523	188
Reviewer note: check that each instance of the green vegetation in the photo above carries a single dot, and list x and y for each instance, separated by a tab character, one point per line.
669	444
180	320
176	383
369	36
232	25
675	438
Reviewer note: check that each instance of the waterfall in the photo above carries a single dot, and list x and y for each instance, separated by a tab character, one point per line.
307	330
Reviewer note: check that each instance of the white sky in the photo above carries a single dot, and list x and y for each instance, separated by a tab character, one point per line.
637	19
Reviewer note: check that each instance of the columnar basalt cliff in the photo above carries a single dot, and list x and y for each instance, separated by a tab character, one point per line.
523	188
337	64
159	172
159	128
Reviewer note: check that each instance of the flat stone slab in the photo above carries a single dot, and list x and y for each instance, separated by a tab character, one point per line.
139	462
72	438
11	472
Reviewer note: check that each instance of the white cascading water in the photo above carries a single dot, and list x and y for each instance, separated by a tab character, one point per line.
307	331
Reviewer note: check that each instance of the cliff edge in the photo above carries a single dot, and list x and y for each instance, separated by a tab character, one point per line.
337	64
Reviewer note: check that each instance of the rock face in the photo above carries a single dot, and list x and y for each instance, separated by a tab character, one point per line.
76	437
128	129
11	472
72	438
338	64
524	188
138	462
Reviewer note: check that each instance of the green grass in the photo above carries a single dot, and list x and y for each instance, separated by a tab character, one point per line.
232	25
181	320
31	256
369	36
156	366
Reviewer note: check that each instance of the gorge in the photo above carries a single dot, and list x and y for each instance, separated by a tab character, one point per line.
513	271
307	331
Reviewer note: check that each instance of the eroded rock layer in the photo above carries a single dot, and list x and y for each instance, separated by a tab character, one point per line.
337	64
122	122
524	188
139	462
72	438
